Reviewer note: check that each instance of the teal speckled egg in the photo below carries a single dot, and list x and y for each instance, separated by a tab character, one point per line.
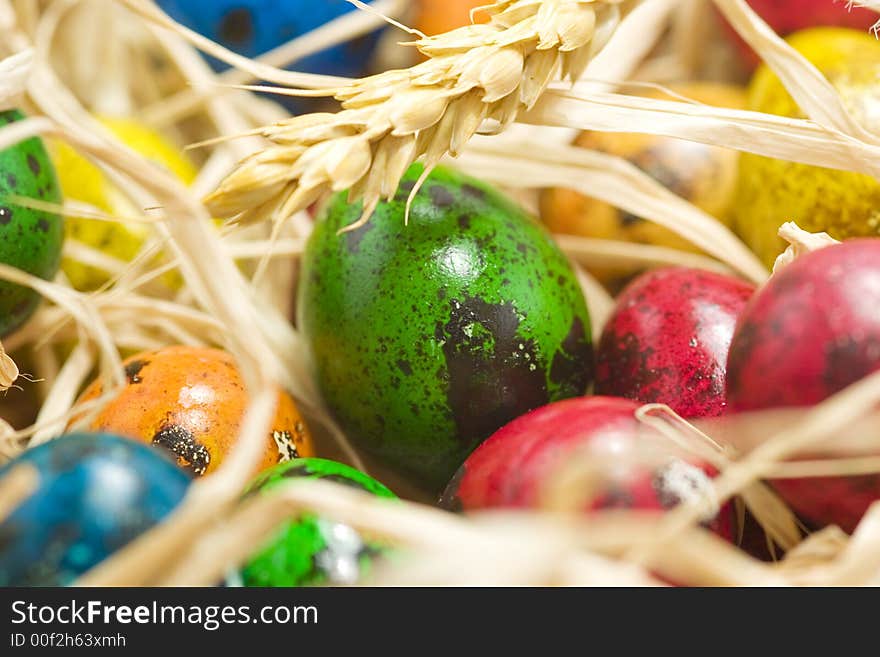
427	338
30	240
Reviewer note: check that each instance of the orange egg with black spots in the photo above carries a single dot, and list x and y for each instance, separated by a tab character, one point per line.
192	401
704	175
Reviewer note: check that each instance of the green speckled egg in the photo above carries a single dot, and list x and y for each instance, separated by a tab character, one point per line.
313	550
427	338
30	240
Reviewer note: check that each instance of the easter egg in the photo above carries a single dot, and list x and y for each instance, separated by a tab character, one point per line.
191	401
702	174
30	239
788	16
771	192
437	16
312	550
638	468
84	182
95	494
811	331
253	27
667	340
427	337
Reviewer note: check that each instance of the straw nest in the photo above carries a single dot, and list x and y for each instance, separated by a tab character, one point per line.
553	66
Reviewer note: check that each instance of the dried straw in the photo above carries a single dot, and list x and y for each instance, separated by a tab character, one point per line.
800	242
16	487
614	180
477	79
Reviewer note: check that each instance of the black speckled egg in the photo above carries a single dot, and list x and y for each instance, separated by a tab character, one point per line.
29	239
428	337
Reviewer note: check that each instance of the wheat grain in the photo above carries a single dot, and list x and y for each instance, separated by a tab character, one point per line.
8	370
475	76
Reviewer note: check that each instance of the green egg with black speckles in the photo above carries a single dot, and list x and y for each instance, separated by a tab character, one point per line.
30	240
426	338
313	550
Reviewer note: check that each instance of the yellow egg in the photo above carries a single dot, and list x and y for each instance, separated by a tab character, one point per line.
704	175
83	181
772	192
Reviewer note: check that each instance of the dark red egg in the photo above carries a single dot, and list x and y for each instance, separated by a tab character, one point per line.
641	468
789	16
667	340
811	331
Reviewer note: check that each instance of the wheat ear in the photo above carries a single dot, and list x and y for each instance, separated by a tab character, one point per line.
8	370
478	77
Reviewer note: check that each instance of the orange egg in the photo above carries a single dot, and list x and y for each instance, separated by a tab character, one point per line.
192	402
704	175
438	16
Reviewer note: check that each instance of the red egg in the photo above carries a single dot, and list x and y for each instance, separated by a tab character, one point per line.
641	468
789	16
667	340
811	331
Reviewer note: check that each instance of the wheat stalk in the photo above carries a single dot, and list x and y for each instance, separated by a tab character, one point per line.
478	77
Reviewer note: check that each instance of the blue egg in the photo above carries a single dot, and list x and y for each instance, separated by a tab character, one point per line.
96	493
252	27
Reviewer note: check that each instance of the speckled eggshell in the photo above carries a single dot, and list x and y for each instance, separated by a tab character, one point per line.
426	338
313	550
771	192
811	331
644	471
667	340
191	401
95	494
30	240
